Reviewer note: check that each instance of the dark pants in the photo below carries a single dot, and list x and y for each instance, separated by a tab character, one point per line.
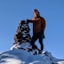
36	36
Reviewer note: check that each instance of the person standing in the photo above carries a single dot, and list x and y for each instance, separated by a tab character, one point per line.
39	25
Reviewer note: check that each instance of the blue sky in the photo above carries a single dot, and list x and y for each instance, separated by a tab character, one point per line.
12	11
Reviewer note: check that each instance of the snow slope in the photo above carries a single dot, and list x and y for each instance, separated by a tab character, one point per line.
19	56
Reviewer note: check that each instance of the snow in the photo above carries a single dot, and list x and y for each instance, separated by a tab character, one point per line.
23	45
18	56
60	62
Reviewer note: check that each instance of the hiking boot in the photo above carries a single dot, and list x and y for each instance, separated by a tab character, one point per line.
40	51
29	50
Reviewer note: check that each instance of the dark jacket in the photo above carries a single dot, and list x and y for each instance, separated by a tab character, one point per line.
39	24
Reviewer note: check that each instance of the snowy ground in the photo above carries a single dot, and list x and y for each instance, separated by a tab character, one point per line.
23	57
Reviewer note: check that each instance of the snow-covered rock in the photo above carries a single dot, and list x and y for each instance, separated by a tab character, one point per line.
25	46
19	56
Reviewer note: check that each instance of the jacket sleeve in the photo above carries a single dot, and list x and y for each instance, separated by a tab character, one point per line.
29	21
33	20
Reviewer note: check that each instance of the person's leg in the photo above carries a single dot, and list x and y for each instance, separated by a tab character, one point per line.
41	41
34	38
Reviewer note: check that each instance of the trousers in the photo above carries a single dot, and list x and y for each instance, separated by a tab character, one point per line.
36	36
